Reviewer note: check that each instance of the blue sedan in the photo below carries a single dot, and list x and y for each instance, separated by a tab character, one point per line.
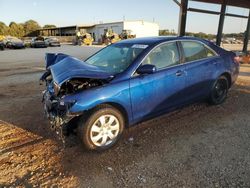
132	81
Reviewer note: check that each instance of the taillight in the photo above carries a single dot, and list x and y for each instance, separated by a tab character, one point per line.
237	59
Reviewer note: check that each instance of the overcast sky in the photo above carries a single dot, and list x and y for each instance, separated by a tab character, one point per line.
80	12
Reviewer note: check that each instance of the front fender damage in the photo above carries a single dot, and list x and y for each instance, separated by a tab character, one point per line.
58	114
67	76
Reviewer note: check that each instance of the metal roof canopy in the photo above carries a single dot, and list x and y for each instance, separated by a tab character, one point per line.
236	3
183	4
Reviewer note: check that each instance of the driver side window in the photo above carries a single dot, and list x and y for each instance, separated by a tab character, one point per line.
163	56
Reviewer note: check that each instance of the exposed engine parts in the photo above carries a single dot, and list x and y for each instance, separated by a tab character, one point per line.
71	86
76	85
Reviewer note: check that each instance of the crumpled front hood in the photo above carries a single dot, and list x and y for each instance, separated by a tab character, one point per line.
70	67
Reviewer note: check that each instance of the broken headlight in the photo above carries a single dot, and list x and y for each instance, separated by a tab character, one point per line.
65	106
69	104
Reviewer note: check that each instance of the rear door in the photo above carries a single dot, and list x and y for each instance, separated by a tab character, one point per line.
155	93
201	62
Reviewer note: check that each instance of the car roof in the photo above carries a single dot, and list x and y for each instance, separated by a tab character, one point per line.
157	40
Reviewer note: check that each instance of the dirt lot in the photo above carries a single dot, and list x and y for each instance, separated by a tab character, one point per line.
234	47
198	146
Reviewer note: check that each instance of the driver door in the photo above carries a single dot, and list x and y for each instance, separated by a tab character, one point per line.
155	93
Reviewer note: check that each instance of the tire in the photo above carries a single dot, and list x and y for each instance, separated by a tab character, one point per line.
101	128
219	91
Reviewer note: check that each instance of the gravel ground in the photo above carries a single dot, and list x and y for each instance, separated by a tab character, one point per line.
197	146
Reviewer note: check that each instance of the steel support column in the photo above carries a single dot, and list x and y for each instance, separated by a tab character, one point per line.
221	22
247	33
183	17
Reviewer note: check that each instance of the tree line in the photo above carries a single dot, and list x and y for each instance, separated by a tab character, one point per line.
30	27
166	32
27	28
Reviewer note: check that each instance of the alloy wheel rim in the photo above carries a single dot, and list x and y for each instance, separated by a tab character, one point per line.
104	130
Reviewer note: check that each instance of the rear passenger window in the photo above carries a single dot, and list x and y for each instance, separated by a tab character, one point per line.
195	51
210	53
163	56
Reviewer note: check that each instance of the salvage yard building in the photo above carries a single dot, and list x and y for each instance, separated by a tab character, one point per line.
139	28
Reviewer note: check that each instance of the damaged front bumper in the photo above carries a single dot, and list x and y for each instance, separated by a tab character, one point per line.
57	111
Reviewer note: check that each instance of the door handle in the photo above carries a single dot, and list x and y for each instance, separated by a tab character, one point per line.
179	73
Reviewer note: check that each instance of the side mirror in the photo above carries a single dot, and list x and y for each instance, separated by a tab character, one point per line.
146	69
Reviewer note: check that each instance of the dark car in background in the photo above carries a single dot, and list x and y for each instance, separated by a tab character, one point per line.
38	42
1	45
132	81
52	41
14	43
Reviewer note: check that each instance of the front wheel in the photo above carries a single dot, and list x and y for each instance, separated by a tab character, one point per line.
101	129
219	91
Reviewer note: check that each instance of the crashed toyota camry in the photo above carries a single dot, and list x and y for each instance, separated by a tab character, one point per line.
131	81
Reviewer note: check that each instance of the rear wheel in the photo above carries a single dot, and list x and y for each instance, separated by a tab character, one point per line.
219	91
101	129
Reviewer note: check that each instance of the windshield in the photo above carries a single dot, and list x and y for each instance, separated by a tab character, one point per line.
39	39
116	58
